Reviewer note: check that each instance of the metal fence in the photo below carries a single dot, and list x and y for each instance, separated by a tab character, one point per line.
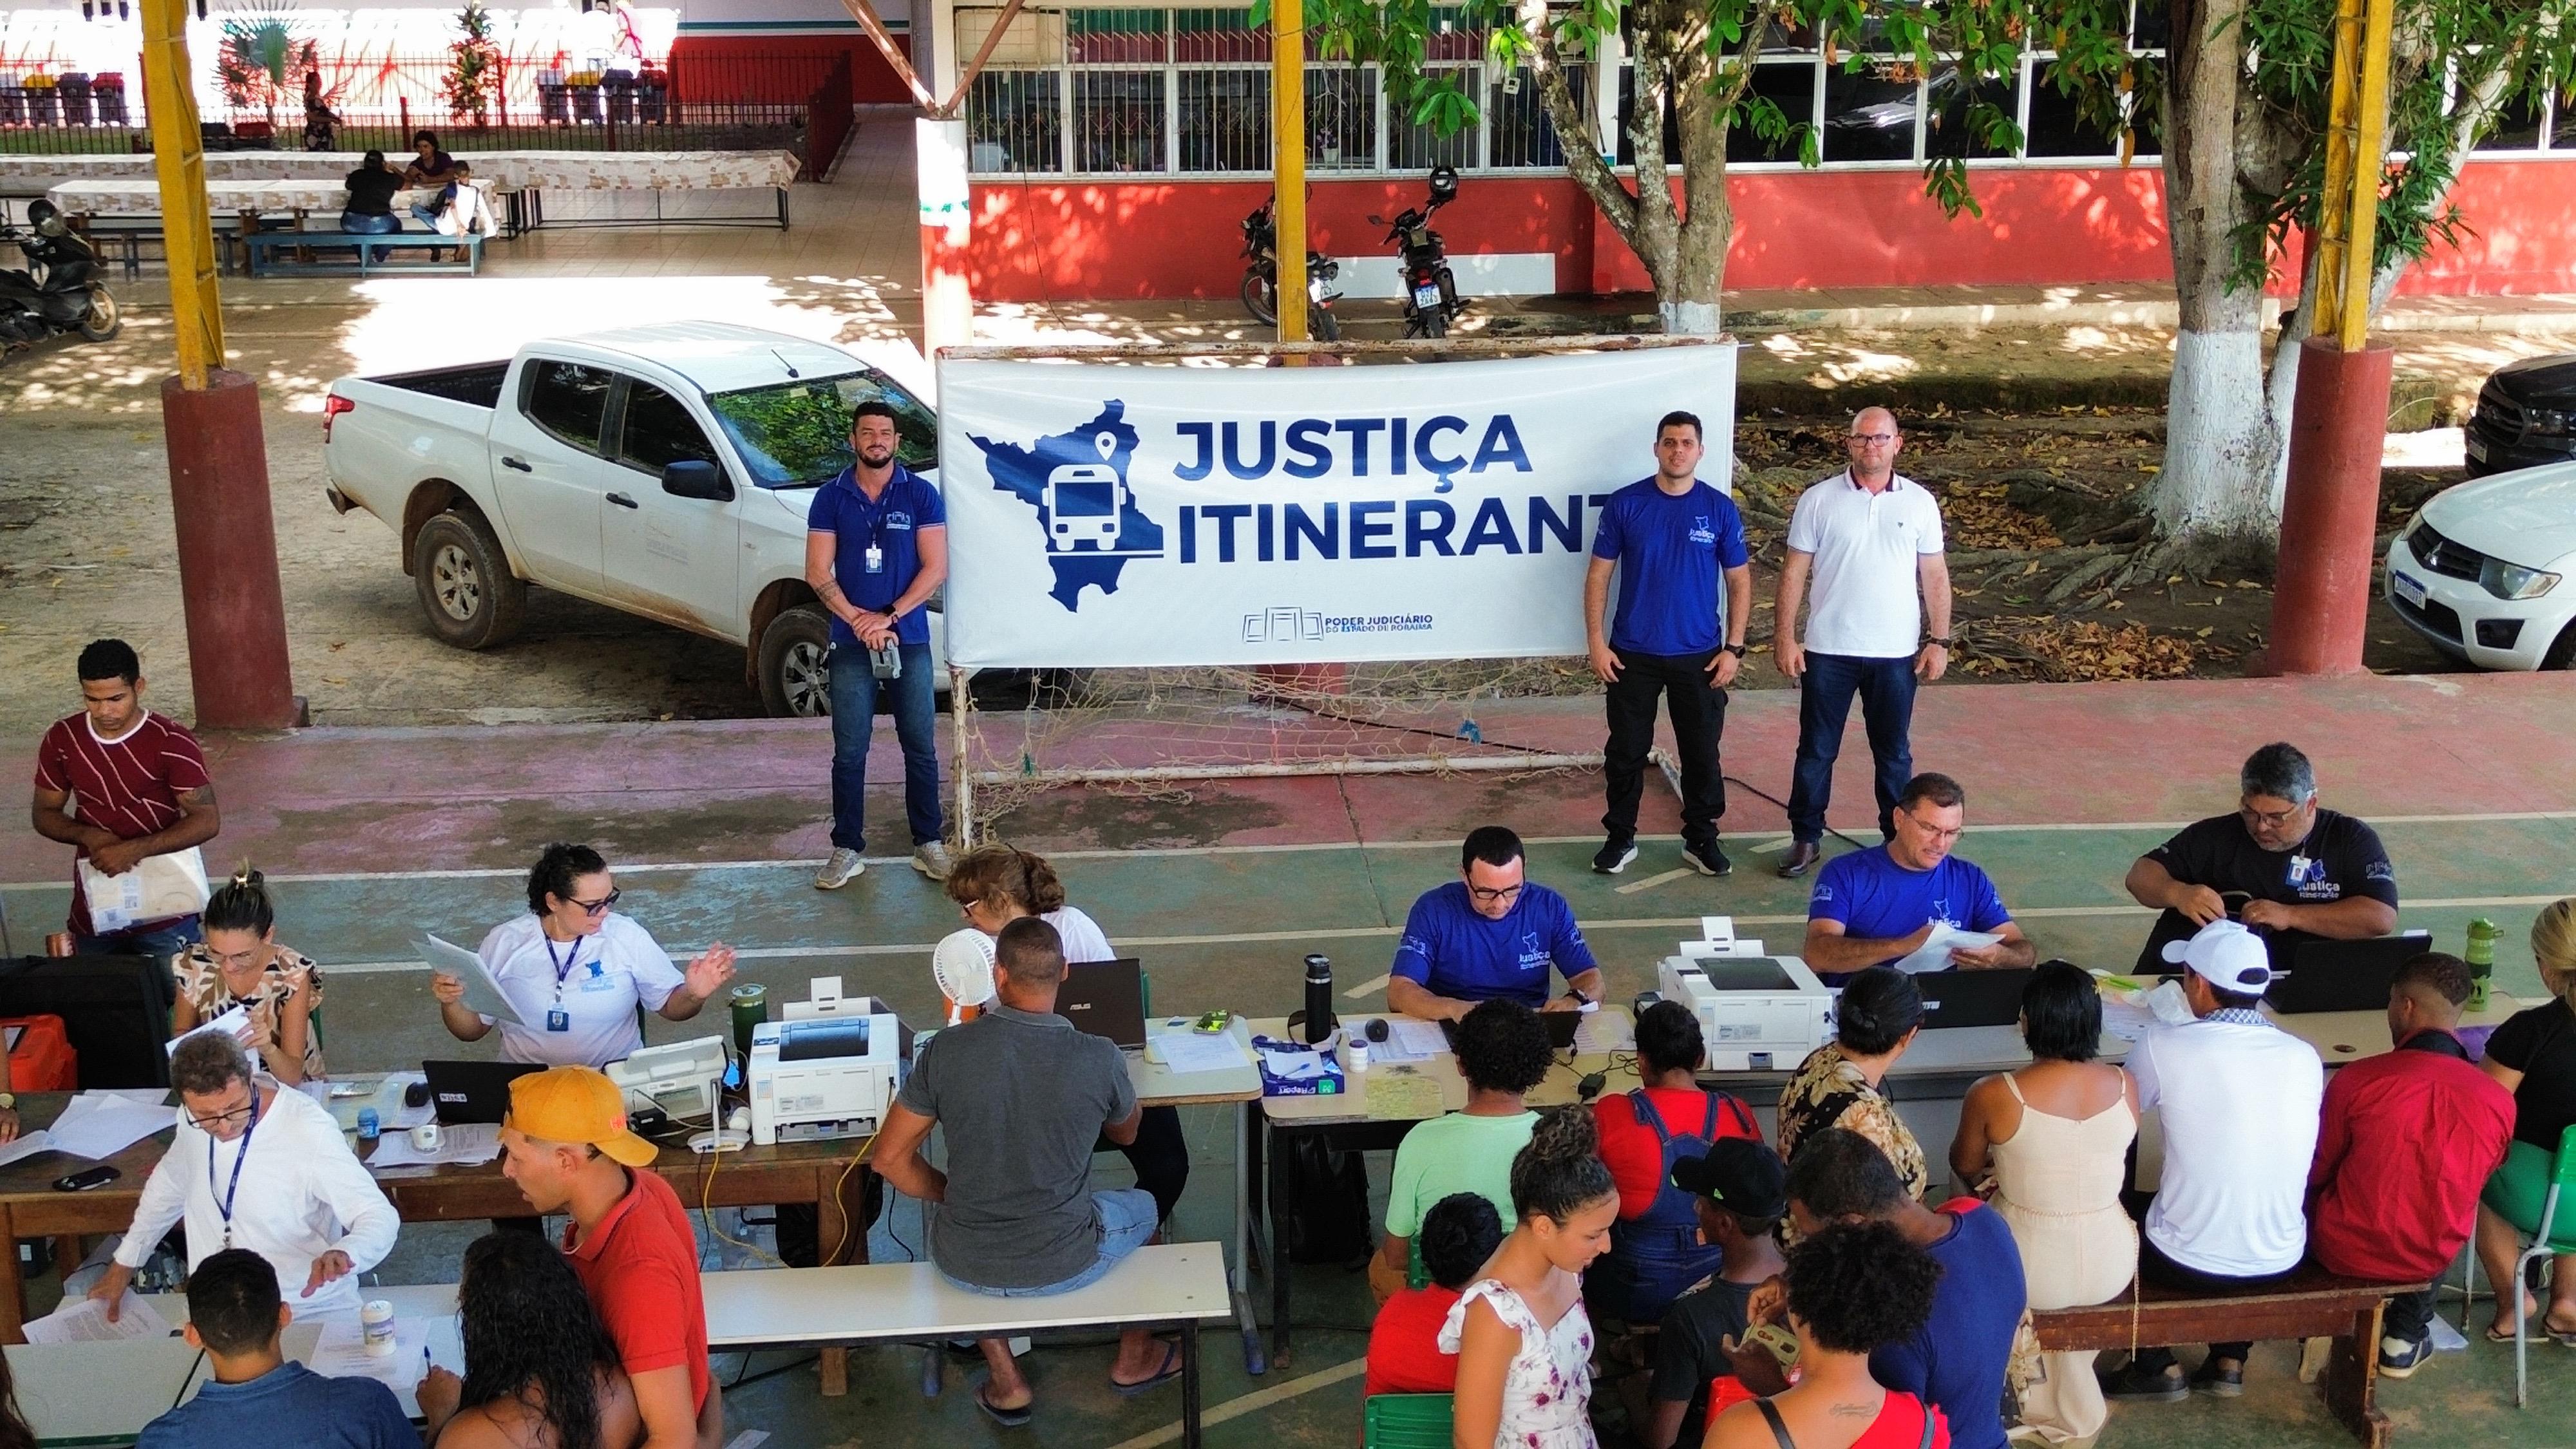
798	103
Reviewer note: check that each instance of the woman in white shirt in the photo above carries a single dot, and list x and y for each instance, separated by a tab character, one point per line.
994	885
261	1167
575	971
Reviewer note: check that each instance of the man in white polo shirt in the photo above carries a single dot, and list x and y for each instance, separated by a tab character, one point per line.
1872	539
2240	1100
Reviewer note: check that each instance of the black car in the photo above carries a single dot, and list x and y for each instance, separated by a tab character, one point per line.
2526	416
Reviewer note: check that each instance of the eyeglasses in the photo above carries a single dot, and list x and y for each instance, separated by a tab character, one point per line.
1935	831
1487	895
2274	818
597	907
238	1114
1878	440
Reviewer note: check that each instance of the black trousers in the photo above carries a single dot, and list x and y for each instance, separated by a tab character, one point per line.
2164	1272
1160	1156
1699	716
2409	1316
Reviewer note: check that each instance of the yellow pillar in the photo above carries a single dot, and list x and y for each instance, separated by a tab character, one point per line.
1288	160
188	233
2370	146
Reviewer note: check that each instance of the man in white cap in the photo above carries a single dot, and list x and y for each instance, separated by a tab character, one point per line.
2240	1099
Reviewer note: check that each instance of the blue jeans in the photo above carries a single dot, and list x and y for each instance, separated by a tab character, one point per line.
1886	690
1127	1218
855	687
379	225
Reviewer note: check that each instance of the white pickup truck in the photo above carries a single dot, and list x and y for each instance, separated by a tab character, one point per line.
665	471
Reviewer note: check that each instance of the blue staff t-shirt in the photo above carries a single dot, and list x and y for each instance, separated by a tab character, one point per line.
1675	552
1876	899
291	1400
1956	1361
893	523
1451	951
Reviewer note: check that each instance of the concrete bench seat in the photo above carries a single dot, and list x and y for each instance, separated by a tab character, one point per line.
2313	1304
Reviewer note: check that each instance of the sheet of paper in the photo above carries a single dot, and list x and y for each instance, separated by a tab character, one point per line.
148	1096
482	993
85	1321
462	1145
101	1127
231	1023
1292	1066
1935	953
1399	1048
1185	1052
341	1353
2126	1020
1416	1039
28	1144
1604	1033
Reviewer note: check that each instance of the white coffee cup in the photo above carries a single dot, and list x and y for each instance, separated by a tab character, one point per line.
425	1137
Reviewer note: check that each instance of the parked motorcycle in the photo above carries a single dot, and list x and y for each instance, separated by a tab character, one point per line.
61	293
1261	278
1431	301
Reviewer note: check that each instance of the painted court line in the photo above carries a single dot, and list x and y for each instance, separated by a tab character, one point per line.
1249	1403
1652	881
1767	837
1378	983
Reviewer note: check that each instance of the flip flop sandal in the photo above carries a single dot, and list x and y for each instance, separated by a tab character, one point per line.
1008	1418
1170	1370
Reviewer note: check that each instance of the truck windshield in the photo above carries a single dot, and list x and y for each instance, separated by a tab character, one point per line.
797	434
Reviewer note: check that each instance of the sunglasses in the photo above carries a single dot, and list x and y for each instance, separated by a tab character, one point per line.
597	907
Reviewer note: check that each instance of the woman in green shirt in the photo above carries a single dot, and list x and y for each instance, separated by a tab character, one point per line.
1503	1052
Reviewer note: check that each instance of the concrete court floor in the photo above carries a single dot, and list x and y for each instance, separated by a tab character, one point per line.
374	834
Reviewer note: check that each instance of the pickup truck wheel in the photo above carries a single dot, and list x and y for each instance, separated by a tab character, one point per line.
466	588
795	664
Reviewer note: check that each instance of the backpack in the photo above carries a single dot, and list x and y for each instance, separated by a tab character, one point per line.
1328	1221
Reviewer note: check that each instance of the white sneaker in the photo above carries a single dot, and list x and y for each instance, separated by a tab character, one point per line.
844	867
931	860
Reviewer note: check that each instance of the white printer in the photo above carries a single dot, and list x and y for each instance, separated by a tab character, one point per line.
829	1071
1756	1012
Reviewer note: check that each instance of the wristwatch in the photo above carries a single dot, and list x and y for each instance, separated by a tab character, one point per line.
1735	649
1936	639
8	1101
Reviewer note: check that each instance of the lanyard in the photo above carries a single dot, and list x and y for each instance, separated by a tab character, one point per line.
563	968
224	1204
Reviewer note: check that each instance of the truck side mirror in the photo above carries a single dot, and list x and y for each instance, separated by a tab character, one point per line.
695	478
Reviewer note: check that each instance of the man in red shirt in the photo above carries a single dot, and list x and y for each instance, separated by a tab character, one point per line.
1459	1235
2407	1143
566	1144
119	783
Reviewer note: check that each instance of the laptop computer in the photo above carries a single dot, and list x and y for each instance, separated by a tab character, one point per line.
1106	999
462	1092
1561	1027
2344	975
1972	998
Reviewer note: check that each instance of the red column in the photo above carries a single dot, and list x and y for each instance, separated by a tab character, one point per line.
2330	512
228	583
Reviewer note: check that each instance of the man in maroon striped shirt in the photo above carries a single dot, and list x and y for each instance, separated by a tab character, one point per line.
118	782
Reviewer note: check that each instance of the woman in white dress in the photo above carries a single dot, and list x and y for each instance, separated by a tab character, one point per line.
994	885
1523	1341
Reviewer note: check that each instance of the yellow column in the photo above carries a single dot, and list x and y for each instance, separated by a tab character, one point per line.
188	233
1288	160
2370	146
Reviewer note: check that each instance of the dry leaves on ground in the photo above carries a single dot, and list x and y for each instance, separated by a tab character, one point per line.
1975	516
2046	647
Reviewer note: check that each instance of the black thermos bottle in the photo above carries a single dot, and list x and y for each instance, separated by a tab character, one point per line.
1319	999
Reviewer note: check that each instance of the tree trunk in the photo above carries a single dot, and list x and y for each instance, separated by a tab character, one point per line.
1689	297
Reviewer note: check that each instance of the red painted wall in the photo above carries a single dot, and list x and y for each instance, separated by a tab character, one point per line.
871	78
1077	240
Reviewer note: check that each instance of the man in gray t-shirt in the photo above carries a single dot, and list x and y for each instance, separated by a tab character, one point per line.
1023	1095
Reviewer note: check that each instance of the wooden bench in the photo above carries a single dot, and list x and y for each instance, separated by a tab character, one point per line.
2314	1304
262	245
1177	1284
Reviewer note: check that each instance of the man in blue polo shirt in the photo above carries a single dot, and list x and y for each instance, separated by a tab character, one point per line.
1881	904
1489	934
1673	537
876	549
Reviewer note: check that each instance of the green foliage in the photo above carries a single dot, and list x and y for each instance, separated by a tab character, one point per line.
475	65
258	52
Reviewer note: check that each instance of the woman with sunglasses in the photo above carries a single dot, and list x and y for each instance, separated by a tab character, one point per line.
575	971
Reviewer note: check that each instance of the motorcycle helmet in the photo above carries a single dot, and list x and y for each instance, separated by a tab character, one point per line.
1444	184
46	221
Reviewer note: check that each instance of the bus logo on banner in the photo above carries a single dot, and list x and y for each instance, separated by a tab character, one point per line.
1189	516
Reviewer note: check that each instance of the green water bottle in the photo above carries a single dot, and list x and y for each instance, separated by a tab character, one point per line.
2481	960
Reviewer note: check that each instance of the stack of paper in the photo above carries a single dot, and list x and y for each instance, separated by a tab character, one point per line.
102	1124
1186	1052
27	1145
1408	1040
1934	954
462	1145
84	1320
231	1023
342	1353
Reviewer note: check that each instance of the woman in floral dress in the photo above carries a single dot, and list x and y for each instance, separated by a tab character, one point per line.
1523	1342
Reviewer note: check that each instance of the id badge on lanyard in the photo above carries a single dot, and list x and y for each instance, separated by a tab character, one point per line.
558	1019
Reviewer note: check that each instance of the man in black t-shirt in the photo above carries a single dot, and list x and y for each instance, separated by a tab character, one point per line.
1741	1191
2285	867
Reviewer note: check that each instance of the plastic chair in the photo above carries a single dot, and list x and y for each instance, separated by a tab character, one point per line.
2545	1242
1415	1275
1405	1421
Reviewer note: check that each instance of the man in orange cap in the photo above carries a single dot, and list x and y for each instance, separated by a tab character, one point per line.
566	1144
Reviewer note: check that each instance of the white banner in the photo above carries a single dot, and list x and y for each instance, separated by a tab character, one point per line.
1112	516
